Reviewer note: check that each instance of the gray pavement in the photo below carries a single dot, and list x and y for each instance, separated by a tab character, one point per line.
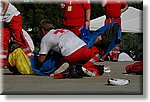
32	84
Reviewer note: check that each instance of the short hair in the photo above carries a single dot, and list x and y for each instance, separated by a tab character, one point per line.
46	25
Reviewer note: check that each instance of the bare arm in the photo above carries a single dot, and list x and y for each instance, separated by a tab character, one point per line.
87	18
62	5
5	6
124	9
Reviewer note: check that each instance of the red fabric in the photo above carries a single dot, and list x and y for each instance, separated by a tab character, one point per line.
109	20
5	38
136	68
114	54
4	46
58	76
85	54
82	54
15	27
12	29
74	29
91	67
113	11
113	8
76	15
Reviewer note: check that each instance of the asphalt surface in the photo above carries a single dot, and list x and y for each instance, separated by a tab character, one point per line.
32	84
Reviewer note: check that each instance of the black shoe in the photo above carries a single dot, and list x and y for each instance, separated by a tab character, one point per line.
101	69
13	46
14	70
76	71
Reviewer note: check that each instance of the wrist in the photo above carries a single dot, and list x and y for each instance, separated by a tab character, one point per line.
87	20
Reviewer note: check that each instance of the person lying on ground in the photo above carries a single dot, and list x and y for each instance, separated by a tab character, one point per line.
72	48
72	52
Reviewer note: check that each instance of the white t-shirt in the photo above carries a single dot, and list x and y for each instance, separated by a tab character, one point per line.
62	41
28	39
10	13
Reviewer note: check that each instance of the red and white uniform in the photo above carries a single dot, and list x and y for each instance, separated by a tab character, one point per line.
74	14
113	13
12	21
113	10
61	41
10	13
71	47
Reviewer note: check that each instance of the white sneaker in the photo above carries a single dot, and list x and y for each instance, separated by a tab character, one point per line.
62	68
107	69
115	81
92	74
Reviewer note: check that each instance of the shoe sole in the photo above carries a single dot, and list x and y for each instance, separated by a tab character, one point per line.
89	73
62	68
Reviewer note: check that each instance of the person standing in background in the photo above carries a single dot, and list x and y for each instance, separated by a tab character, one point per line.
12	28
113	10
76	15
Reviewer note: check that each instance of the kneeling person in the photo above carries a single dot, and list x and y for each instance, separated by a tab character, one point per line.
72	48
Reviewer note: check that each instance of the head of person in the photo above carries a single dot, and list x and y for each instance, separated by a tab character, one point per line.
45	26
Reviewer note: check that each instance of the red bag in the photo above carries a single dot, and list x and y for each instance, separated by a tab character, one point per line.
136	68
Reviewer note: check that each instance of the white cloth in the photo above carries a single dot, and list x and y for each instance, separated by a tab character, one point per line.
62	41
124	57
28	39
1	7
10	13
